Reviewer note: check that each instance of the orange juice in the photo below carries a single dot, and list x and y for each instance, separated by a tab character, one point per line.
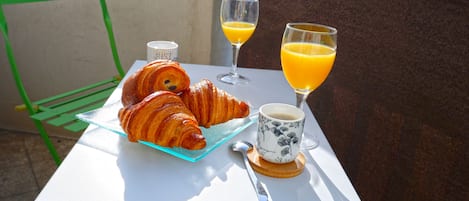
238	32
306	65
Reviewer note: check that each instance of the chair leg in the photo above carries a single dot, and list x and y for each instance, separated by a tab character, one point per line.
46	139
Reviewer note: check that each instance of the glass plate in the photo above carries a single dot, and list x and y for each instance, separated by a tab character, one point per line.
106	117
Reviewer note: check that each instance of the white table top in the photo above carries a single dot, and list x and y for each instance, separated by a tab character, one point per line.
105	166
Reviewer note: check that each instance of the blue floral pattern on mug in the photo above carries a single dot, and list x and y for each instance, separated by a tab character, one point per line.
279	141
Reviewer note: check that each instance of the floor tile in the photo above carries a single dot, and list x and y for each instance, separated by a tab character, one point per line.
17	180
26	165
12	150
22	197
43	165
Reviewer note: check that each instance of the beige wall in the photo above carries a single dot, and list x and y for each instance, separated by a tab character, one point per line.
61	45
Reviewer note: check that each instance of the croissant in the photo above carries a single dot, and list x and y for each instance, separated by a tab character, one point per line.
163	119
157	75
211	105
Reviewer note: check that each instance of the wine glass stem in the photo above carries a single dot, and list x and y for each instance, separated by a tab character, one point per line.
234	64
309	141
301	99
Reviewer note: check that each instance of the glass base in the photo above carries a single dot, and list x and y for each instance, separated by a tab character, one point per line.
309	142
230	78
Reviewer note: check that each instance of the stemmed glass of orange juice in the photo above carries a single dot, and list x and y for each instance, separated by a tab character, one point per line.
307	54
238	21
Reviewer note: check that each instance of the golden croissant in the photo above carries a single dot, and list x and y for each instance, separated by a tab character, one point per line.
163	119
157	75
211	105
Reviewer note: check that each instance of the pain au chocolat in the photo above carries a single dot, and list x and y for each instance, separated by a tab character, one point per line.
161	107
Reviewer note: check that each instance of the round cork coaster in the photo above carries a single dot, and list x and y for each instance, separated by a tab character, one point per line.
282	170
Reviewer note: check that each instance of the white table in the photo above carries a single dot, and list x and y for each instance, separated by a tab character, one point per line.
105	166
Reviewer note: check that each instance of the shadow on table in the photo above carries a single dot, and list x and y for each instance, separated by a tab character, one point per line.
295	188
321	178
167	171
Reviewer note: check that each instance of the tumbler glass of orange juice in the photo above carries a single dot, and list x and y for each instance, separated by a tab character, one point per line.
307	55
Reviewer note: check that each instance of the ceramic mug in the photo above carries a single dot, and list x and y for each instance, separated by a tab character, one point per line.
167	50
279	133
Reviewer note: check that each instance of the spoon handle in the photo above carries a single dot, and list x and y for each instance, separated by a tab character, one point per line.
262	194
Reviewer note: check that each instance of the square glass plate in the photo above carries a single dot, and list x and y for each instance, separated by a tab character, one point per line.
106	117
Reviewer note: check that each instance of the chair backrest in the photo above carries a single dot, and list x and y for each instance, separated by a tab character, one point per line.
11	58
9	51
112	41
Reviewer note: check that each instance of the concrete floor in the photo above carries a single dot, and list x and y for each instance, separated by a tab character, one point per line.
26	165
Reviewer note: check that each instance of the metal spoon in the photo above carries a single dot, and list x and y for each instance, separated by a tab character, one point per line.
243	147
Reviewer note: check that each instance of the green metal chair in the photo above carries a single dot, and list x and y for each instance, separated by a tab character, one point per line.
60	110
